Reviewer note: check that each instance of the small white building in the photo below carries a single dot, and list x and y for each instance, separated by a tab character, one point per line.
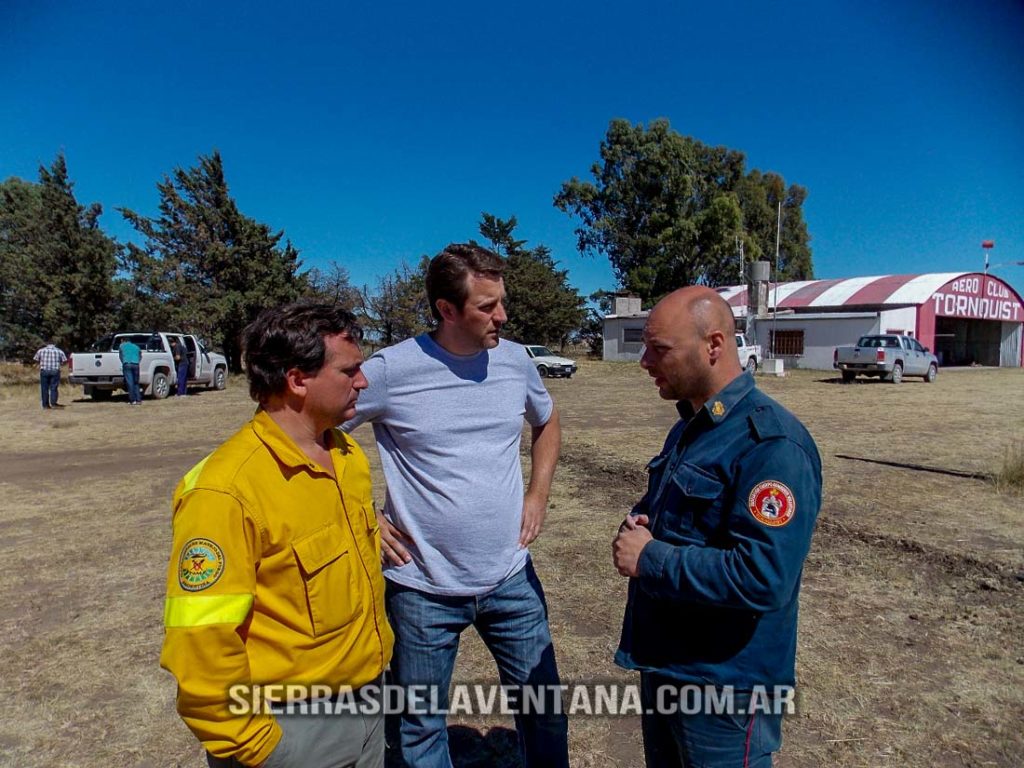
964	317
623	330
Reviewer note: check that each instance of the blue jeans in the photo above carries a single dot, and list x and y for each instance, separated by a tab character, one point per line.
182	378
706	739
131	380
48	383
512	620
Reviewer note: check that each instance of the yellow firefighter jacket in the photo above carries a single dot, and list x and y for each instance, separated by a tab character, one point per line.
274	578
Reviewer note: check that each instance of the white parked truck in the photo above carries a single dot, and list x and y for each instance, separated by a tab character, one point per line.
750	354
99	370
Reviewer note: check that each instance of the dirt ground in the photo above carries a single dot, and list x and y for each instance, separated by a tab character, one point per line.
912	610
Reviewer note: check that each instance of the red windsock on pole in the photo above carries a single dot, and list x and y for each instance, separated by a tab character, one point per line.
988	243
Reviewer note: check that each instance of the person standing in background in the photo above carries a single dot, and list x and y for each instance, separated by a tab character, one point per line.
131	356
50	359
180	355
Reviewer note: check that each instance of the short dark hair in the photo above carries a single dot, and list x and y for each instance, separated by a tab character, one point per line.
291	336
446	275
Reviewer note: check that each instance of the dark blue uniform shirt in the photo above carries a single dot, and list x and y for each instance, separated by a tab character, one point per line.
732	500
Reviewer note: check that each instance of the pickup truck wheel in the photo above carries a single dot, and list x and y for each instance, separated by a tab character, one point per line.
101	394
933	371
897	374
160	387
849	376
219	379
751	366
543	371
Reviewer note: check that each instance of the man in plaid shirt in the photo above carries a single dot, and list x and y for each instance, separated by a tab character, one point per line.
50	360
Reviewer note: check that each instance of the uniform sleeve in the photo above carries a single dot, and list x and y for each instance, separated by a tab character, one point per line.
372	400
539	405
211	584
776	503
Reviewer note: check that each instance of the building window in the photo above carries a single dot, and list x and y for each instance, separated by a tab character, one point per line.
788	342
633	335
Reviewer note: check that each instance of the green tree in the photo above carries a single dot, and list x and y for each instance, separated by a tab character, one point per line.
542	307
56	265
397	309
205	267
670	211
759	195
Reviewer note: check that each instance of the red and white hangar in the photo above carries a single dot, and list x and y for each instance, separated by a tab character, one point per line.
966	318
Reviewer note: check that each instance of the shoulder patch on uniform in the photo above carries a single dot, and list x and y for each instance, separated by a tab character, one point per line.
200	565
772	503
766	423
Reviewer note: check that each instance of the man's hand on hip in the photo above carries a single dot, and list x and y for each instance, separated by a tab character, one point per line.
392	542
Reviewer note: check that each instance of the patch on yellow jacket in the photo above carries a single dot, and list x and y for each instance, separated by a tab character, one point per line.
200	565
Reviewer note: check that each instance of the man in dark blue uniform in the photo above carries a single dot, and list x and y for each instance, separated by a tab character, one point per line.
715	549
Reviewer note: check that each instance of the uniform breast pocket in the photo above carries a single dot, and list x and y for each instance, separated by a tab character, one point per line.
693	503
655	467
326	567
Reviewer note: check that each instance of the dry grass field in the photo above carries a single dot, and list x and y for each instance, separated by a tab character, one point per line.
911	650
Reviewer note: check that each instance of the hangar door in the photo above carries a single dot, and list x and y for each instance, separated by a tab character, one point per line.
963	341
1009	350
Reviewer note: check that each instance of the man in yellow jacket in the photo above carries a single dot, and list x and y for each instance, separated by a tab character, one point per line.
274	577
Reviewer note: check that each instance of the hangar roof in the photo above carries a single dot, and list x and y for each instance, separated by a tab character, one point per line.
876	291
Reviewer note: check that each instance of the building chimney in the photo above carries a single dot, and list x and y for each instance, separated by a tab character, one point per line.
625	306
757	290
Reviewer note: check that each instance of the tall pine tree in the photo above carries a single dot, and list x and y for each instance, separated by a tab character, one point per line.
542	307
205	267
56	266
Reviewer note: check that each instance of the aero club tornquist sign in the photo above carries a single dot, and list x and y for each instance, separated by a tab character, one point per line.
980	297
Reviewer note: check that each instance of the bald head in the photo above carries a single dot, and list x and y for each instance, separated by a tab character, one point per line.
691	345
699	308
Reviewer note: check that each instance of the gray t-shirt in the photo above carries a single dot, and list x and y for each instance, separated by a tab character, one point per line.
448	430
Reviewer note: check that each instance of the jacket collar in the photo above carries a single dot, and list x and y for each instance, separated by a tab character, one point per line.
286	451
721	404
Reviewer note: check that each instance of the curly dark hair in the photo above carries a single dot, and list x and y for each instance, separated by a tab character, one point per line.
446	275
291	336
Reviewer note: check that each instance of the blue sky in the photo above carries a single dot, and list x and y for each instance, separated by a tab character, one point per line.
373	133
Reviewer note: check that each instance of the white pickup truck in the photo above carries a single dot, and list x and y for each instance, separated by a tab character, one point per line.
99	370
750	354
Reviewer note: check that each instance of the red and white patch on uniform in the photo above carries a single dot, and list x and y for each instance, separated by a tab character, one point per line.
772	503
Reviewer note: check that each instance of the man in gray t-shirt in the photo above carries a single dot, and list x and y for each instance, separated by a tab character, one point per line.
447	410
